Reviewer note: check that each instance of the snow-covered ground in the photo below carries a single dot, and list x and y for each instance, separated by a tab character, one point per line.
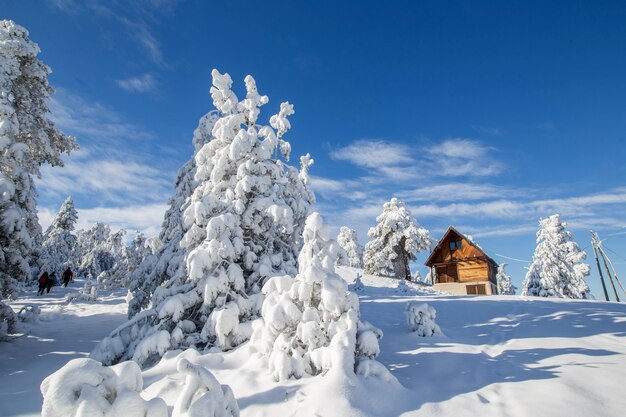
497	356
63	331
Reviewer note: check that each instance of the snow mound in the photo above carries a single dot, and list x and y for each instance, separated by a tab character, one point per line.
421	319
83	387
29	313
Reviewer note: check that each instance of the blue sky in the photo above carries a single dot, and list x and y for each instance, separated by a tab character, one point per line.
482	115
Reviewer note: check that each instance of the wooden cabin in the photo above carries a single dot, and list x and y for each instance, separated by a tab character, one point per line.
459	267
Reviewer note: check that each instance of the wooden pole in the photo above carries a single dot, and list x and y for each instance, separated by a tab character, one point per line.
608	272
612	268
595	253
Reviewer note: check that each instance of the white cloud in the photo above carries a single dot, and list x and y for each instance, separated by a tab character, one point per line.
374	154
457	191
462	157
146	218
106	181
88	120
402	163
67	6
141	84
493	209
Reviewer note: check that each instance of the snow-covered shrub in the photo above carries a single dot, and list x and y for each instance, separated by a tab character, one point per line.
357	285
395	240
88	293
505	286
348	241
402	286
85	388
310	323
28	139
420	318
202	395
241	226
556	269
29	313
8	321
59	242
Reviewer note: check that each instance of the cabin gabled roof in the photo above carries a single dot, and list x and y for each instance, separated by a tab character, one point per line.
443	238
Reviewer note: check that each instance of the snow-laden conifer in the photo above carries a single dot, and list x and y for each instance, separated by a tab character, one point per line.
28	139
115	250
310	324
59	241
347	239
505	286
167	263
395	240
241	226
101	251
556	269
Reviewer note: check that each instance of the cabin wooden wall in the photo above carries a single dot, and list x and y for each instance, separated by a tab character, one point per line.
473	271
445	254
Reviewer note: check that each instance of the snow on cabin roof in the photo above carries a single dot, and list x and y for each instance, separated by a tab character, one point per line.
470	241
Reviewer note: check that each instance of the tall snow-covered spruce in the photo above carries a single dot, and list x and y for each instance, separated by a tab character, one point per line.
28	139
59	242
310	324
167	264
395	240
348	241
505	286
240	226
556	269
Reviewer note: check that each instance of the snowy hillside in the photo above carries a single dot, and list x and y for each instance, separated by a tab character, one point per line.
498	356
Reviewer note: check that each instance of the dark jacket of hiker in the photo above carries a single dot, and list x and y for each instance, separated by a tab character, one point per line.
52	279
43	281
67	276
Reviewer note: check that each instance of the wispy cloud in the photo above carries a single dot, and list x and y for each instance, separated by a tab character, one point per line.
104	180
115	175
145	218
458	191
399	162
83	118
141	84
67	6
145	40
463	157
374	154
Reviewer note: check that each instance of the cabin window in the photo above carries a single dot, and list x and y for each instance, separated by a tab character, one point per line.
456	244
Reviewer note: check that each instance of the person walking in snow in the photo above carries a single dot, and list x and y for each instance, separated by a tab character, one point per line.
67	276
43	281
52	279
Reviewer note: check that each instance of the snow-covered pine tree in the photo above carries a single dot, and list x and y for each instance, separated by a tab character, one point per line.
135	253
59	242
115	261
167	264
242	226
556	269
395	240
505	287
100	249
310	324
347	239
28	139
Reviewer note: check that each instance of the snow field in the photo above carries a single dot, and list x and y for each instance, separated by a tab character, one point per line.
498	356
